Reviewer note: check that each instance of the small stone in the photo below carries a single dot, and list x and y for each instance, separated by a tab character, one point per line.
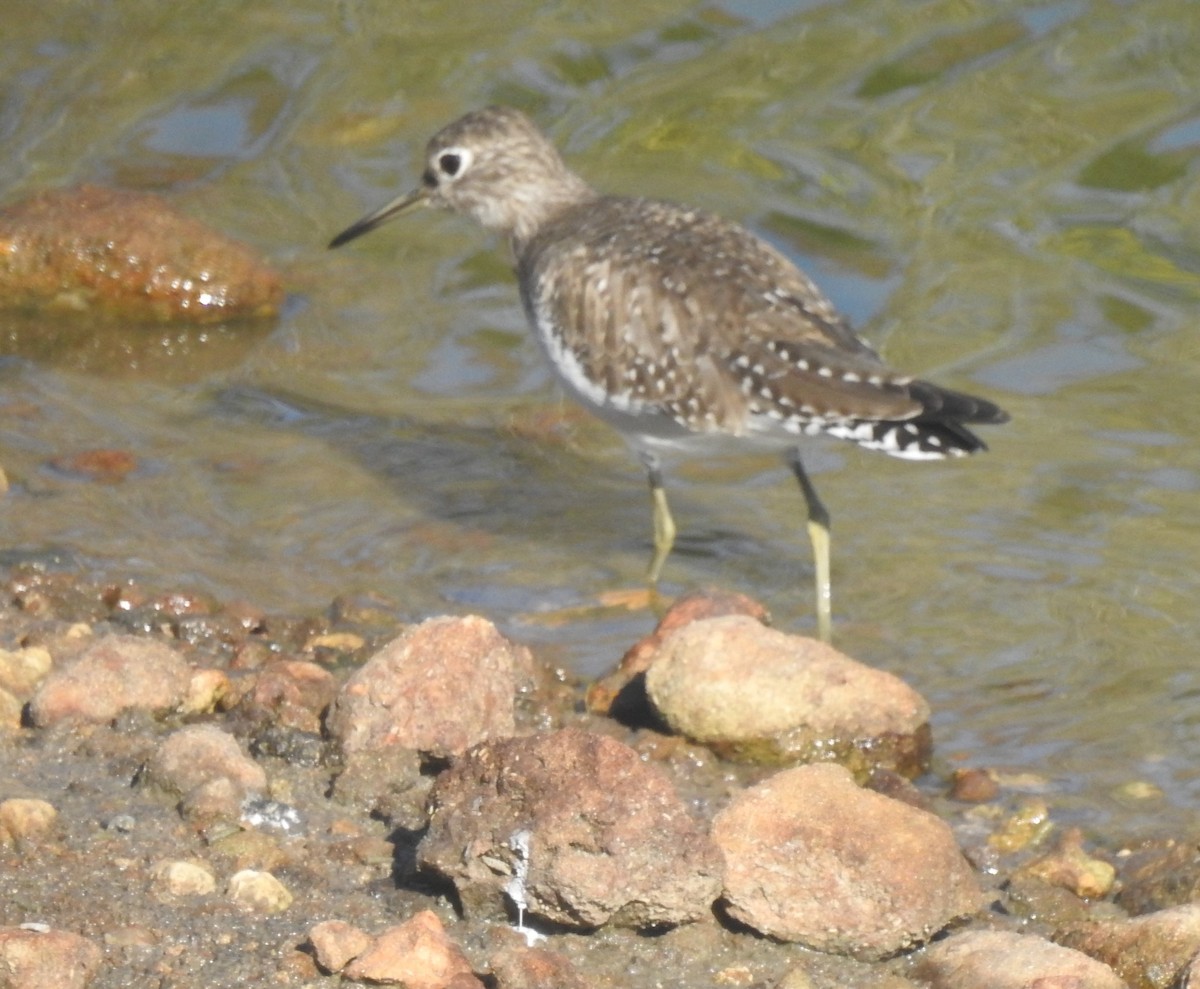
177	879
337	943
1072	868
206	689
1028	826
115	674
439	688
25	821
1005	960
259	891
40	959
21	670
761	695
417	955
812	857
976	786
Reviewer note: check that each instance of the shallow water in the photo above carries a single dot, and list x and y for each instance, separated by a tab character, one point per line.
1004	197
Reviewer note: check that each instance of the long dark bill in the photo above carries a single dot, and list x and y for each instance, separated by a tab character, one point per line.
379	217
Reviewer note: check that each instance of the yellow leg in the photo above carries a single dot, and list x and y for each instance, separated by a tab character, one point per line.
818	535
664	525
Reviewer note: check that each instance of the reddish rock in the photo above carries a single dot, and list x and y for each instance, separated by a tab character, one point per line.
622	692
116	673
105	466
576	825
336	944
41	959
976	786
813	858
130	255
417	955
1004	960
517	966
294	693
1148	952
439	688
754	693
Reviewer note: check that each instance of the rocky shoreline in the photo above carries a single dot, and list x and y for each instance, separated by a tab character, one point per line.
198	794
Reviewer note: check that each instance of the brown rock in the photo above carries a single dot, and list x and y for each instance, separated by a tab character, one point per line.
207	768
577	826
25	821
813	858
388	783
976	786
417	955
754	693
130	255
1159	874
294	693
623	692
336	943
1148	952
40	959
1004	960
192	756
439	688
116	673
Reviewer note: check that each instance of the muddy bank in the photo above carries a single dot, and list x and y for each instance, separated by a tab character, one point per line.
195	793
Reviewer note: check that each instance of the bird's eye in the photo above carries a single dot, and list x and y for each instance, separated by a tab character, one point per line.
450	163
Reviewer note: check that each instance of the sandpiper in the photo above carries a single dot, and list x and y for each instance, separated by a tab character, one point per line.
682	330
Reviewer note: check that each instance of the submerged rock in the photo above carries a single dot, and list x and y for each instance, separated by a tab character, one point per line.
574	827
753	693
812	857
130	255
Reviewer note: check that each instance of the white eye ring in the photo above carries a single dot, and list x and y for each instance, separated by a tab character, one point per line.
452	163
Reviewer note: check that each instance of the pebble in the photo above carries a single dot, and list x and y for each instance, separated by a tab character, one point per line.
21	670
46	957
439	688
116	673
574	825
180	878
293	693
754	693
25	821
259	891
811	857
1006	960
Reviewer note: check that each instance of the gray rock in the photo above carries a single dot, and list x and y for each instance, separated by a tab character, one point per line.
1006	960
